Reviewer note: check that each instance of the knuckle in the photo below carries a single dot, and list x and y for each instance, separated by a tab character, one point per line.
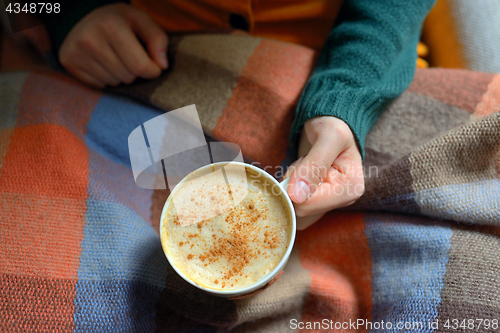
86	42
318	171
333	127
342	132
110	26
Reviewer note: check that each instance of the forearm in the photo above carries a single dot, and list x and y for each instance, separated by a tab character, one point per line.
367	60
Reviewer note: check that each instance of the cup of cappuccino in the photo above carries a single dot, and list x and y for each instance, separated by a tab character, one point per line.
228	228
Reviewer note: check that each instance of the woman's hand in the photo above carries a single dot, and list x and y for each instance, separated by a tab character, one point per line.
330	174
104	48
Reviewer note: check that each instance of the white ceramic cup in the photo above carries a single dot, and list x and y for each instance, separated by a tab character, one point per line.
266	280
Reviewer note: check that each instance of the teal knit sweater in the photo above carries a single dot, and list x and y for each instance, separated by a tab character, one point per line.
367	60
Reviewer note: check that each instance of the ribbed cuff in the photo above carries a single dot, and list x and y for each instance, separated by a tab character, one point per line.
359	108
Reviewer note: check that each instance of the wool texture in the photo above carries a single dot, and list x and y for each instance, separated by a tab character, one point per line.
80	246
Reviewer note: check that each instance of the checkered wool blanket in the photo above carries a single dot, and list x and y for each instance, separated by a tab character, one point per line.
80	249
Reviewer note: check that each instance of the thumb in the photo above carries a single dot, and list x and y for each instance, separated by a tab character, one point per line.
152	35
312	170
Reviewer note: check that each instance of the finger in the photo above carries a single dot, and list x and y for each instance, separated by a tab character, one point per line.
152	35
328	197
103	58
87	78
343	185
132	54
311	172
115	66
87	56
290	169
101	73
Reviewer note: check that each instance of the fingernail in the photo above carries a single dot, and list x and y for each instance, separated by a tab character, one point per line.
163	60
301	191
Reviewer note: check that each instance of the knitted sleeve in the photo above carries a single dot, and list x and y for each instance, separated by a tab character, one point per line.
72	11
367	60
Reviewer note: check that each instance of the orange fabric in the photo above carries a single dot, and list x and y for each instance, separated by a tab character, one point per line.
278	78
490	103
440	35
38	106
305	22
341	270
21	164
29	195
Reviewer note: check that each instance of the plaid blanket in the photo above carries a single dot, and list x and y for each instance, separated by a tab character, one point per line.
80	249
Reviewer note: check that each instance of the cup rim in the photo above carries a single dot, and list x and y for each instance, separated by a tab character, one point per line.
263	281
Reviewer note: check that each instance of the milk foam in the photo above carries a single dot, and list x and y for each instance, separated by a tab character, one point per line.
240	245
